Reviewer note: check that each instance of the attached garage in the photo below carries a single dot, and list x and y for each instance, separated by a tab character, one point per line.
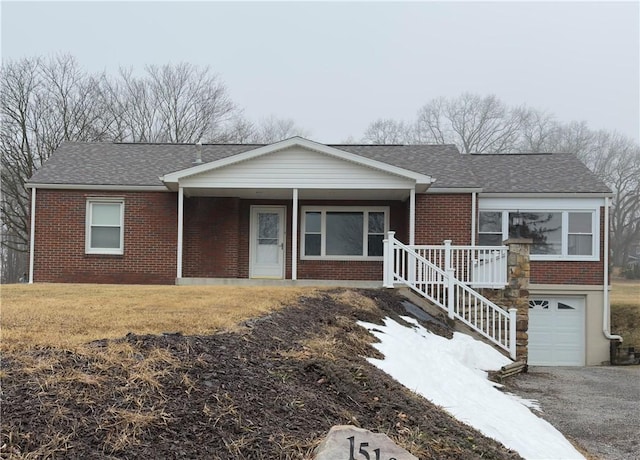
557	331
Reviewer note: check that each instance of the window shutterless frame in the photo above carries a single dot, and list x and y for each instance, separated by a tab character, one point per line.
579	236
314	231
104	232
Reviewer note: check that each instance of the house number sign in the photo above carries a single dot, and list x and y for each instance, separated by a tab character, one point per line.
364	451
347	442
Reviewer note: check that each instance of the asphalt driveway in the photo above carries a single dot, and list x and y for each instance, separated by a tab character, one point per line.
596	407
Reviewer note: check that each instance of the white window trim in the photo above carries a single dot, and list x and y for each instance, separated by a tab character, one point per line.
88	218
595	227
324	210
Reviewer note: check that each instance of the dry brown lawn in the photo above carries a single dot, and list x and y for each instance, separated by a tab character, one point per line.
625	311
67	315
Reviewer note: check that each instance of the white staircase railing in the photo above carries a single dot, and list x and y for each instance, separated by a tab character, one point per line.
476	266
402	264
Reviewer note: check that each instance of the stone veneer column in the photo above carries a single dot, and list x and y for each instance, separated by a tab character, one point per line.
516	294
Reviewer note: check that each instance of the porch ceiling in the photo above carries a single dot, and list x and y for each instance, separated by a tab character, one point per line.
303	194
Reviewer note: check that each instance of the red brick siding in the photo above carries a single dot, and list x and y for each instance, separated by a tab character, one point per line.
150	236
442	217
340	270
216	239
211	233
571	272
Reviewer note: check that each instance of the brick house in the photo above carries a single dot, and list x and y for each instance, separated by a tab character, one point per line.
300	211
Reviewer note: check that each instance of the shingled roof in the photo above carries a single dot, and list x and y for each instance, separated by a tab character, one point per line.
534	173
133	165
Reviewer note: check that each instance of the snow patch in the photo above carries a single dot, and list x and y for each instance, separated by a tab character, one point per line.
453	374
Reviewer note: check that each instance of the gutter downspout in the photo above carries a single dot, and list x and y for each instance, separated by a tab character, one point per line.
606	311
32	236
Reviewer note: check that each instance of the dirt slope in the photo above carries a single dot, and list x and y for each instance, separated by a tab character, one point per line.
270	391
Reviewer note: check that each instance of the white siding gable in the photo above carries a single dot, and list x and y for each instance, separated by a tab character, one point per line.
297	167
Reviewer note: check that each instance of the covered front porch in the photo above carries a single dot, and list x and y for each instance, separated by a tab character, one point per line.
234	238
295	210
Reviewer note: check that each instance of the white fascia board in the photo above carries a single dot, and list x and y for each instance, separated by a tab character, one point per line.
546	195
453	190
546	203
120	188
296	142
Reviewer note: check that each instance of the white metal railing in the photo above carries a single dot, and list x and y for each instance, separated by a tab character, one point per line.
402	264
476	266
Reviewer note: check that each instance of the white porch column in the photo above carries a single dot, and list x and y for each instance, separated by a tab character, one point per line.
294	236
412	217
32	235
473	218
389	260
180	226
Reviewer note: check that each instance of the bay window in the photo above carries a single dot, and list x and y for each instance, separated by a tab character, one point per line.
343	233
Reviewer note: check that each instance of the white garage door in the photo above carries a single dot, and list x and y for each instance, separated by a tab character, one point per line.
556	331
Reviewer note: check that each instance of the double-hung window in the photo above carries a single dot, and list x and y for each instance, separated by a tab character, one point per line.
343	233
556	234
490	228
580	234
104	226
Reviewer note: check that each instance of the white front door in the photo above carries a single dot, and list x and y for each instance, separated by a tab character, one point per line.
267	242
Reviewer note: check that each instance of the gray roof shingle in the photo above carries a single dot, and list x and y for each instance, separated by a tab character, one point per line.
123	164
534	173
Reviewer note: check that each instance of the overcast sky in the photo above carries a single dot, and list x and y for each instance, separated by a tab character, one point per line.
335	67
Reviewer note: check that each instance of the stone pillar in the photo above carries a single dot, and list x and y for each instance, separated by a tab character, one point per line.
516	294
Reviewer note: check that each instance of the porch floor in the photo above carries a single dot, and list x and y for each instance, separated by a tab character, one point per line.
276	282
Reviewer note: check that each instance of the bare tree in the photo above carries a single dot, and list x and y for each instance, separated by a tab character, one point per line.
267	131
538	132
241	130
20	83
44	102
389	131
170	103
274	129
192	103
129	107
475	124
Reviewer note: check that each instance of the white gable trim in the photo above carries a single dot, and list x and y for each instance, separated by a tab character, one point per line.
174	178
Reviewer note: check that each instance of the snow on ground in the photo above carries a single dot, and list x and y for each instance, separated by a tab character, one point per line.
452	374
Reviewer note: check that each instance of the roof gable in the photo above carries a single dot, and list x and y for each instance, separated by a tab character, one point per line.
288	144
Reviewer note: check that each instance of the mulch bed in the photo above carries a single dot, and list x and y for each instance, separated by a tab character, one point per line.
259	393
